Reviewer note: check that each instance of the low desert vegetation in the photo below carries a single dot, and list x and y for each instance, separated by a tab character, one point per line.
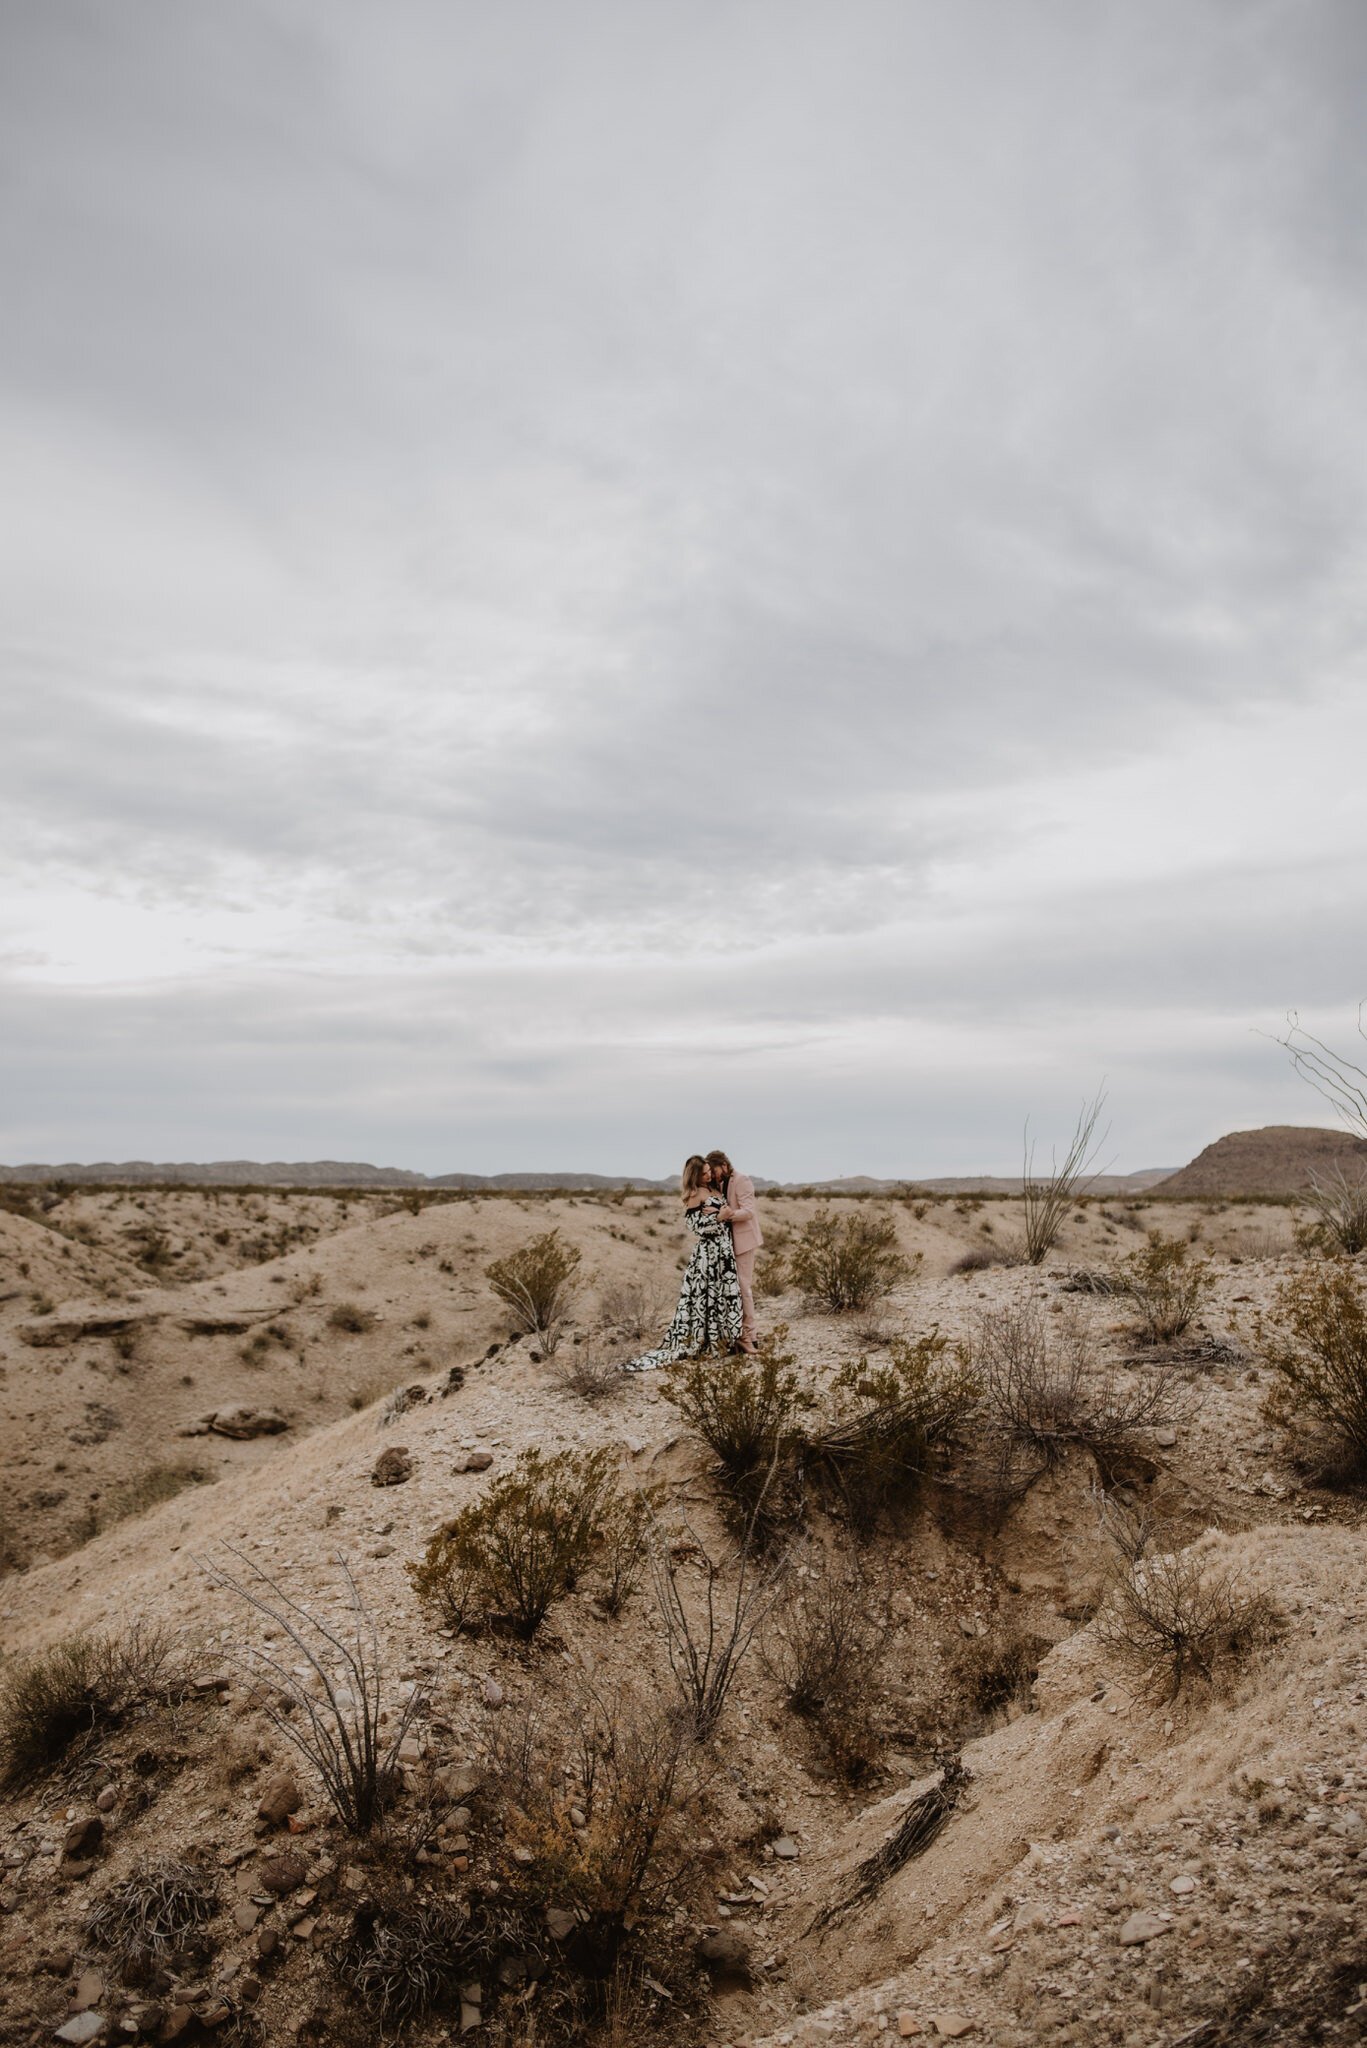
631	1310
1339	1208
749	1413
51	1702
1043	1394
334	1708
351	1319
709	1630
1167	1284
843	1263
403	1958
525	1542
891	1427
825	1648
154	1919
1048	1197
538	1283
1178	1617
588	1372
1318	1355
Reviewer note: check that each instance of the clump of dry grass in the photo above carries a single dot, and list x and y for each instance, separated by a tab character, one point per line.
588	1373
630	1309
150	1920
349	1317
83	1683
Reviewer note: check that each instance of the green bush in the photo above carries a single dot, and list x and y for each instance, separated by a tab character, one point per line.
747	1411
1319	1362
1167	1285
538	1284
894	1425
847	1262
508	1555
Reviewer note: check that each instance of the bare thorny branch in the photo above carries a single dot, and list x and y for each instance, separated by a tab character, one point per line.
342	1736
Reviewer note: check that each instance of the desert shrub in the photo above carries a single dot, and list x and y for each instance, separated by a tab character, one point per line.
1181	1615
1167	1286
980	1257
824	1647
708	1631
538	1284
403	1956
1043	1396
522	1544
624	1541
1047	1198
997	1671
590	1823
333	1708
589	1374
1092	1280
892	1426
1319	1361
348	1316
771	1273
83	1683
847	1262
747	1410
1339	1206
630	1309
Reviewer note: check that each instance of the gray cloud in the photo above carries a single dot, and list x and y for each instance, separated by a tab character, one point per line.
664	530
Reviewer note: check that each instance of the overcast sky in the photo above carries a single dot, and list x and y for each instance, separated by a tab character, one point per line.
582	580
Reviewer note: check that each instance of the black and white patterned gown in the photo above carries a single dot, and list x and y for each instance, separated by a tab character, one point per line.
708	1317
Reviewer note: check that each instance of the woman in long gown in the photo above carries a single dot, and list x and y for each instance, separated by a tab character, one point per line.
708	1317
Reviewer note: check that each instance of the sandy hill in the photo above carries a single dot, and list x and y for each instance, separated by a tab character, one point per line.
1113	1866
1282	1159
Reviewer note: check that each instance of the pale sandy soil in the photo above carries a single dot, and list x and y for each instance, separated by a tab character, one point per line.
1011	1921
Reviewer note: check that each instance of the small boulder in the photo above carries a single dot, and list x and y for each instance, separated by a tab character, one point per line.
83	1838
1141	1927
107	1800
457	1782
392	1467
953	2026
785	1848
281	1874
89	1990
726	1949
474	1461
493	1693
280	1797
560	1922
84	2027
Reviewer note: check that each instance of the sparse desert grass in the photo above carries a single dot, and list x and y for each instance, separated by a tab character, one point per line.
83	1683
980	1258
847	1262
405	1957
1339	1206
630	1309
589	1374
148	1490
1318	1355
522	1544
997	1670
538	1284
1047	1198
708	1629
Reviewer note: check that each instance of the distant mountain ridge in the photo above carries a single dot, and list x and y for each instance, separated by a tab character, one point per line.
339	1173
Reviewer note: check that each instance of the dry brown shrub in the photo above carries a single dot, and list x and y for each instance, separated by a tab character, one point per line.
893	1426
1167	1286
1179	1616
50	1701
825	1646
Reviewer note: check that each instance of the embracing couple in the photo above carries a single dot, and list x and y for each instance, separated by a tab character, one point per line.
716	1309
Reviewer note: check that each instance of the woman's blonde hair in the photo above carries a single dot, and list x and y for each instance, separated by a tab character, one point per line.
691	1179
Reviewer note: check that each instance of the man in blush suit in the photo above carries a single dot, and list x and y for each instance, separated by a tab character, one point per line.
746	1236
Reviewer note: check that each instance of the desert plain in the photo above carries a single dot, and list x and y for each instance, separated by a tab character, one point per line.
199	1385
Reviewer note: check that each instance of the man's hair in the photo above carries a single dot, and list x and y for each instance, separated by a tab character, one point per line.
720	1159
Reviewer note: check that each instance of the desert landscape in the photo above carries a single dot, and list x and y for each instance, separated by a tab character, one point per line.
1044	1723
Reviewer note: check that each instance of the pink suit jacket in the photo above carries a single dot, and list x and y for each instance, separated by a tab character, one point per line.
746	1234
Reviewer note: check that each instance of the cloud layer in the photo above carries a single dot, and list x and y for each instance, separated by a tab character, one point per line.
578	580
